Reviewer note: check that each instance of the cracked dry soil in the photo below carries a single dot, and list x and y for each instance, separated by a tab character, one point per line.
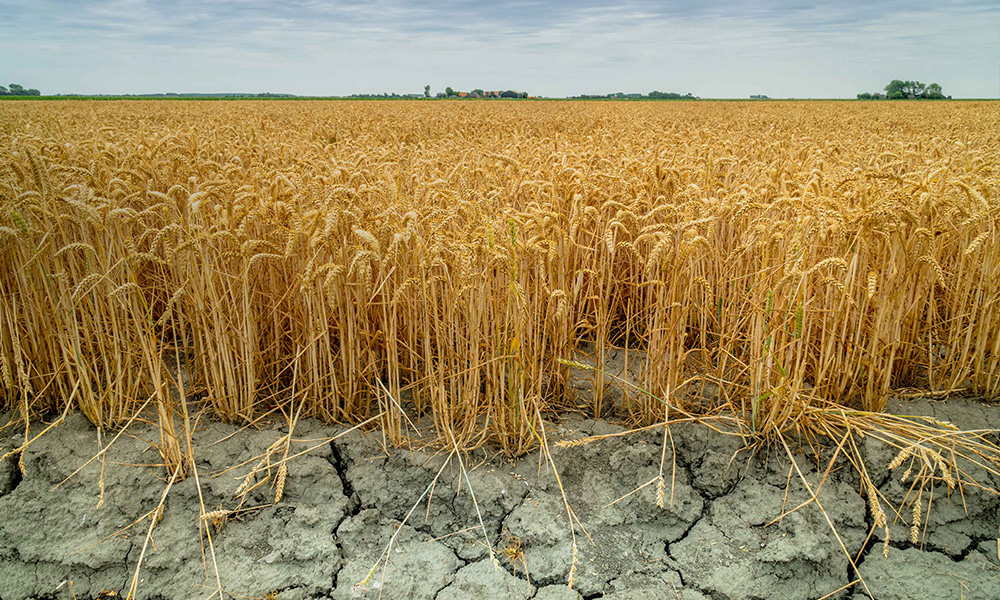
713	539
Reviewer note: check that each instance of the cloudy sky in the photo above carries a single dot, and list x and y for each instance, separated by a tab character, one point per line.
727	48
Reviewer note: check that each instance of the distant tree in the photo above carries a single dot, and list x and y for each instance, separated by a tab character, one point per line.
864	96
450	92
897	90
933	92
14	89
657	95
427	91
477	91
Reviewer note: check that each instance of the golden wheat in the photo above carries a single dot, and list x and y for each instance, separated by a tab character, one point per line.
463	257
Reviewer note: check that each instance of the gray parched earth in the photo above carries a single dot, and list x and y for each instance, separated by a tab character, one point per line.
717	536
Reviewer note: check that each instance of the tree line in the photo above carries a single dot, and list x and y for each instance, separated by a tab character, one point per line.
14	89
654	95
476	93
903	90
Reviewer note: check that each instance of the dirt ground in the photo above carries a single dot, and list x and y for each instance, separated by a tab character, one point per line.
713	538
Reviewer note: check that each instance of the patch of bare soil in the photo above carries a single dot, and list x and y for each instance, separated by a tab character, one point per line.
716	535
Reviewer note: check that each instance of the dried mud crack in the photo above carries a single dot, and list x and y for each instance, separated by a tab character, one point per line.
717	536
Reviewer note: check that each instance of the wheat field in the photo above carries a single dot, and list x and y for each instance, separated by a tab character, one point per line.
456	263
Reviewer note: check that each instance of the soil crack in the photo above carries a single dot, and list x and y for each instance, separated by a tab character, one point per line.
862	554
704	511
128	553
335	575
974	543
14	476
340	466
